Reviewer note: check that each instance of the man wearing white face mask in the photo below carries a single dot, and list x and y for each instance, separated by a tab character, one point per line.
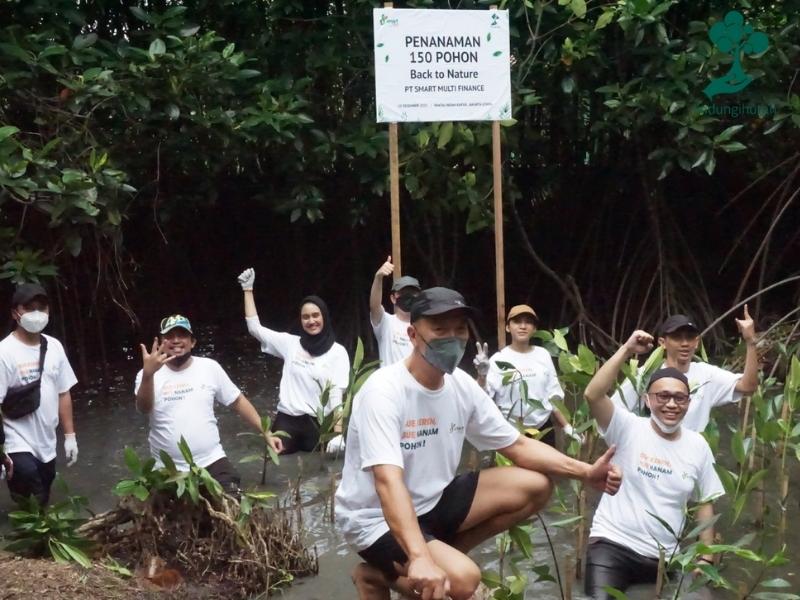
35	379
401	503
664	465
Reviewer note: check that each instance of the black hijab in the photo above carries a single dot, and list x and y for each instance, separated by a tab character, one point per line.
319	344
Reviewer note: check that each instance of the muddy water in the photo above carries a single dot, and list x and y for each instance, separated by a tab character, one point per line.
106	426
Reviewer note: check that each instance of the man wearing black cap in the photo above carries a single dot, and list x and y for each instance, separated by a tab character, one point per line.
664	465
391	330
711	386
180	402
36	361
400	503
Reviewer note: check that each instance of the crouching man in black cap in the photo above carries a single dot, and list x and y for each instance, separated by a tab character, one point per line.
711	386
400	502
35	379
665	465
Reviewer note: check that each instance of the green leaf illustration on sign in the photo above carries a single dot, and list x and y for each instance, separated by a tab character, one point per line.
732	36
497	53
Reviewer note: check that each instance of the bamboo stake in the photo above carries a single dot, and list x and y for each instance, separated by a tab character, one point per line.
580	542
746	413
394	192
569	577
499	253
660	576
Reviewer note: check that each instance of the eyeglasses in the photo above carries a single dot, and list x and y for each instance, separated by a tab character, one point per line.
663	398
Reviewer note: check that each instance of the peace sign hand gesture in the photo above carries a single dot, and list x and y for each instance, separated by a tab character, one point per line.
152	361
481	360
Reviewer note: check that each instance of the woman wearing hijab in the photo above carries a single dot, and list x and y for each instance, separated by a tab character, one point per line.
312	362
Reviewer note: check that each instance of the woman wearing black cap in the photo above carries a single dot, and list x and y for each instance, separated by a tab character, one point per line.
312	363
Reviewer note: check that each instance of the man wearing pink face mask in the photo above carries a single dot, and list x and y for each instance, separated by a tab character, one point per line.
35	379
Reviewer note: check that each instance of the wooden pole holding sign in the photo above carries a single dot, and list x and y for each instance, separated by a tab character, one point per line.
419	55
394	191
499	253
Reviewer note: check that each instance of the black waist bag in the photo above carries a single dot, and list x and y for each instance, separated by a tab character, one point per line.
23	400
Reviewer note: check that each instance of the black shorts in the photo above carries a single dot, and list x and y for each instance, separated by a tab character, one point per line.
441	523
611	564
226	475
303	432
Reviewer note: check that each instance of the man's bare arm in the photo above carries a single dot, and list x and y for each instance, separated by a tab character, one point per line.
596	393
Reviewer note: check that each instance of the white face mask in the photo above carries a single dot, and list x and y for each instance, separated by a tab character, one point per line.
34	321
663	426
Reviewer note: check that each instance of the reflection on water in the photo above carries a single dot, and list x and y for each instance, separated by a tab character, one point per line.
106	426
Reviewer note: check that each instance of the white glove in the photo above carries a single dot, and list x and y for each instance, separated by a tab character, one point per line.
570	432
247	278
71	448
335	445
481	360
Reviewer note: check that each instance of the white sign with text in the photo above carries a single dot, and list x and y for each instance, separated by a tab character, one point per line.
441	65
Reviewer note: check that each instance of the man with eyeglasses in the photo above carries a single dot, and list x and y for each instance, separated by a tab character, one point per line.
711	386
180	402
664	466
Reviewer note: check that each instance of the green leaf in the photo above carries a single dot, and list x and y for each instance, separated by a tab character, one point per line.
727	134
567	521
186	452
560	340
604	19
132	460
141	493
578	8
7	131
140	14
737	447
189	30
614	592
445	134
84	41
664	524
157	47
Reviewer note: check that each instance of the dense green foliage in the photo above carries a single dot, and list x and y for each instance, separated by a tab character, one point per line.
165	145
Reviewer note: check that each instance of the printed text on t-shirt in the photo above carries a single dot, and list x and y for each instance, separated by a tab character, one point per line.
653	467
416	430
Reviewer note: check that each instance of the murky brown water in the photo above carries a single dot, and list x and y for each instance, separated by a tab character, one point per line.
106	427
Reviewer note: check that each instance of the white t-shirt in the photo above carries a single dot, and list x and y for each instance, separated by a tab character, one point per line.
19	364
397	421
183	405
658	476
540	377
392	336
710	385
304	376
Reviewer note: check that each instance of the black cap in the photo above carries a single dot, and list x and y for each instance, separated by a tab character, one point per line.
436	301
26	292
404	282
668	372
675	322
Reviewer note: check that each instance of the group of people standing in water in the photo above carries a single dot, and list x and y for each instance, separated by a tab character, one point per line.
401	502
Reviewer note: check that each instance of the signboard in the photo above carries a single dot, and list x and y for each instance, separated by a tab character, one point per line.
441	65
